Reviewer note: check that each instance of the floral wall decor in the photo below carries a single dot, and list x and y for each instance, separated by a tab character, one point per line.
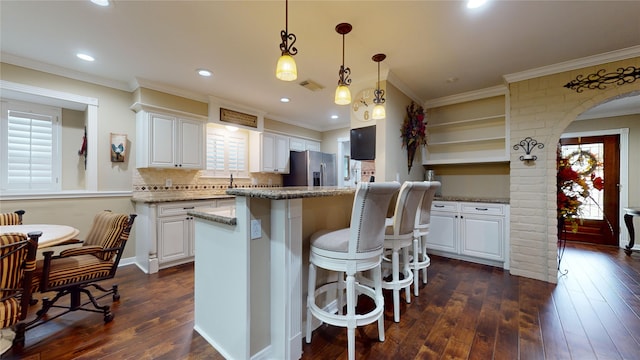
413	131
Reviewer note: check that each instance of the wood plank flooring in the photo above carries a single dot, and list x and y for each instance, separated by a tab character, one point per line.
466	311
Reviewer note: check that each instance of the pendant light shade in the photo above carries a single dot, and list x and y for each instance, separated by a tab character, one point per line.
343	95
379	111
286	68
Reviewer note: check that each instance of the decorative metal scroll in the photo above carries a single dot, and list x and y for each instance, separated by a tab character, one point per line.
527	145
601	79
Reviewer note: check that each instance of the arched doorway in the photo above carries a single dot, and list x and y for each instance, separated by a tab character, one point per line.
605	100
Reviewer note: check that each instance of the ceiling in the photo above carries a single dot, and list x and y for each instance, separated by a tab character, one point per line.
434	48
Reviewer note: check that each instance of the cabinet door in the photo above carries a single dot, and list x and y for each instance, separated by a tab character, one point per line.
281	151
162	140
443	232
173	238
482	236
191	144
268	152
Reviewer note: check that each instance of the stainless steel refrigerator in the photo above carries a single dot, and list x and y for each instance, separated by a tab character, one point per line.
311	168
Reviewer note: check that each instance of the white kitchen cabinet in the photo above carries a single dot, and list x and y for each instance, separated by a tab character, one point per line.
168	141
443	228
165	232
269	153
299	144
475	232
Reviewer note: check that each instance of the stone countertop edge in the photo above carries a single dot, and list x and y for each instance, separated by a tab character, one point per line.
295	192
213	217
472	199
171	198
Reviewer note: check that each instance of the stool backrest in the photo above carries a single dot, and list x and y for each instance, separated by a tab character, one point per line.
404	218
368	215
423	217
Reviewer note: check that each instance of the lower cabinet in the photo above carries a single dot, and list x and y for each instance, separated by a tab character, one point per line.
475	232
165	236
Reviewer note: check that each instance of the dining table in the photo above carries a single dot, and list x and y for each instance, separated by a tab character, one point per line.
52	234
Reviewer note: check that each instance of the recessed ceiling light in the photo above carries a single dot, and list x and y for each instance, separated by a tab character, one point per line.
85	57
101	2
334	116
204	72
473	4
285	99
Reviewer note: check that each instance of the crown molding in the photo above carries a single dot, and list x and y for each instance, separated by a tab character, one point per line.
570	65
153	85
65	72
467	96
393	79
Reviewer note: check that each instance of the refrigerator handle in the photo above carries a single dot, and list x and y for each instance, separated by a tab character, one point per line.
322	174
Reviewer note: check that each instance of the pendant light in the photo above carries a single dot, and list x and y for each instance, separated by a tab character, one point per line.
286	68
343	95
379	112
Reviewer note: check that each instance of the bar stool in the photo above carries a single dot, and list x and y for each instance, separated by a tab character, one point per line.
351	250
419	258
399	236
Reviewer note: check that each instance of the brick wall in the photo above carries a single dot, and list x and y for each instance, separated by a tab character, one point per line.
542	108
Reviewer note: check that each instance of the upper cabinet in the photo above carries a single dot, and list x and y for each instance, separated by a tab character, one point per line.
269	153
471	131
169	141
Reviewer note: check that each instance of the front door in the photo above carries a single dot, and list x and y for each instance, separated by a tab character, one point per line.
599	214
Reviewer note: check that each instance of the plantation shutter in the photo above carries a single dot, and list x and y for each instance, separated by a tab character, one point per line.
226	153
30	149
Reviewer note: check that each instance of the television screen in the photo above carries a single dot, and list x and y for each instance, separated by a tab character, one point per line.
363	143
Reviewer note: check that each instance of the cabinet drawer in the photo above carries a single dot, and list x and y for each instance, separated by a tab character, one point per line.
447	206
482	208
182	208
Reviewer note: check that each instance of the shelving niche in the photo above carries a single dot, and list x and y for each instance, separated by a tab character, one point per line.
471	131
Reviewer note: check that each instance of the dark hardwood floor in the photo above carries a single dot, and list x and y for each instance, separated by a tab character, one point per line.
466	311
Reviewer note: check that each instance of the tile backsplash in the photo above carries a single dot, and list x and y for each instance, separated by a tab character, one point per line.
190	181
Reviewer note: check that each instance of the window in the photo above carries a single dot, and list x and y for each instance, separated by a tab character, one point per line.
226	152
30	147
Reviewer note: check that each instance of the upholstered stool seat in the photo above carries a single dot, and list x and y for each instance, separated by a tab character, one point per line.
419	259
399	237
349	251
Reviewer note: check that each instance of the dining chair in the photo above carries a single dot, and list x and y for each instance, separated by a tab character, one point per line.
75	270
398	237
17	262
419	260
14	218
351	250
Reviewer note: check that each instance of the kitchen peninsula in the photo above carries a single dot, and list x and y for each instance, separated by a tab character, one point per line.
250	269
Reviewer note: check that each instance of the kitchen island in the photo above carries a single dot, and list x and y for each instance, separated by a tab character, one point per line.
250	269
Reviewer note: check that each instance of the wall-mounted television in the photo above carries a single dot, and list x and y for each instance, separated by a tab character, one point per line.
363	143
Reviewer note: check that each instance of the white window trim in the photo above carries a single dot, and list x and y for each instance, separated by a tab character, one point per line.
11	90
55	113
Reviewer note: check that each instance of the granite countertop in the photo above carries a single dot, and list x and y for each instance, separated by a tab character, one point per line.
160	198
472	199
295	192
224	215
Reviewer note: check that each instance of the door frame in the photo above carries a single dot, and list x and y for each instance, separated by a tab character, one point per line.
624	171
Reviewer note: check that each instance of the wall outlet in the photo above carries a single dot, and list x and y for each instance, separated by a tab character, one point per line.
256	229
168	183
